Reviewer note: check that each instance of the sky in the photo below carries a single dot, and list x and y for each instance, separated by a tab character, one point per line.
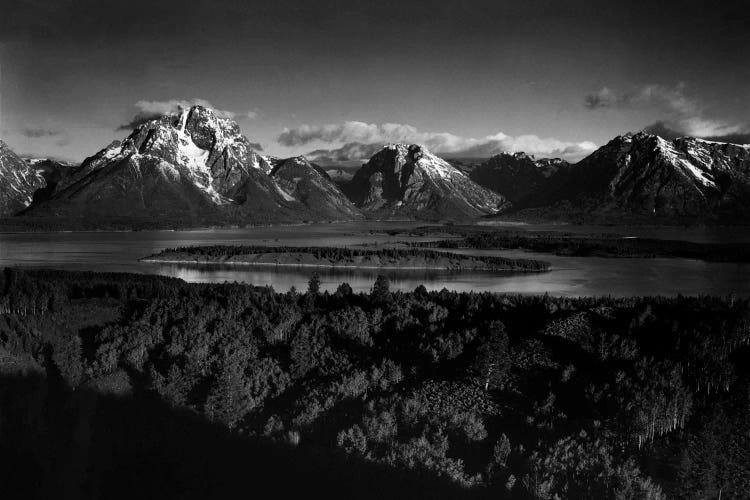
337	79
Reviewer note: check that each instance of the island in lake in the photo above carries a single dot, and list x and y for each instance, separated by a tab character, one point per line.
384	258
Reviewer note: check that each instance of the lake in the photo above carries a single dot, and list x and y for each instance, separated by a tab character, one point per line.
569	276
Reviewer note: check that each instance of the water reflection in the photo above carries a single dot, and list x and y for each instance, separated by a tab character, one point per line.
571	276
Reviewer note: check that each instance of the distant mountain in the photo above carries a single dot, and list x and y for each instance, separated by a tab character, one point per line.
643	174
56	174
18	182
408	180
193	166
516	176
312	186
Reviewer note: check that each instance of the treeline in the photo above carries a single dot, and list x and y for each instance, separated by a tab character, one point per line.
487	395
595	245
343	254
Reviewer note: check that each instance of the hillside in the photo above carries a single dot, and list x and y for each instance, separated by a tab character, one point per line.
644	175
517	176
18	182
194	166
408	181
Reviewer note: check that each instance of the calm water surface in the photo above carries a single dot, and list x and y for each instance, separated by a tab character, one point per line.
570	276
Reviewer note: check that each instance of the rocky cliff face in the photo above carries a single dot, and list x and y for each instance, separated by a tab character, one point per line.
18	182
645	174
516	176
408	180
195	165
312	186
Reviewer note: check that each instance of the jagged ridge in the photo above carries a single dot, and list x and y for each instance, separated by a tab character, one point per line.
196	165
408	180
19	181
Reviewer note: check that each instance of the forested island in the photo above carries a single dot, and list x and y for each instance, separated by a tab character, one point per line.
384	258
589	245
136	386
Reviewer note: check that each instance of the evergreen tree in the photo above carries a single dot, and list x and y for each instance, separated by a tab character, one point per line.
381	290
313	285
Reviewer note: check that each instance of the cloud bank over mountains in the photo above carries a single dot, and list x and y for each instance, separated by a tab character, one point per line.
682	114
355	140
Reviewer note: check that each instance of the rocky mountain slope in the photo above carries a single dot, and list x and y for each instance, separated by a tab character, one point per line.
516	176
408	181
644	174
56	175
312	186
195	167
192	165
18	182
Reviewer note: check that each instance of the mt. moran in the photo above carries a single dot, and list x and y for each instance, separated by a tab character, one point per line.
194	167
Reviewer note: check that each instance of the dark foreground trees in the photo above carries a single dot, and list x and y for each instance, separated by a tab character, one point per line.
126	385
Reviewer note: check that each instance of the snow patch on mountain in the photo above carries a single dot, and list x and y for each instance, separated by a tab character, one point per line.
689	168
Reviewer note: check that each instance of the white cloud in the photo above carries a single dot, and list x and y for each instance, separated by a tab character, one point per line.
680	112
346	133
173	106
148	110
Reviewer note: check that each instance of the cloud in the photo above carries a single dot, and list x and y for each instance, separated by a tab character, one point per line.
682	115
37	133
738	138
351	151
602	98
46	133
531	144
256	146
150	110
670	98
359	140
665	131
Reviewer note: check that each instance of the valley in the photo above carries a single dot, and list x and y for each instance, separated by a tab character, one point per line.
391	250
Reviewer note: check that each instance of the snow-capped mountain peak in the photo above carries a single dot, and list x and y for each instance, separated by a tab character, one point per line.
408	178
199	165
420	156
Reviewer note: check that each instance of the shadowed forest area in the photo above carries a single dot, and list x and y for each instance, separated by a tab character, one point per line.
123	386
332	256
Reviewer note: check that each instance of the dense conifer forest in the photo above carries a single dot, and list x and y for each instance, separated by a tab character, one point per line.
383	257
133	386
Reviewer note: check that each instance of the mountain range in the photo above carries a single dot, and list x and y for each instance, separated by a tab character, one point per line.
195	167
516	176
647	176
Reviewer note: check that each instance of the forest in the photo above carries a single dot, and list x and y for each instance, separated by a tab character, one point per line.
383	256
137	386
590	245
